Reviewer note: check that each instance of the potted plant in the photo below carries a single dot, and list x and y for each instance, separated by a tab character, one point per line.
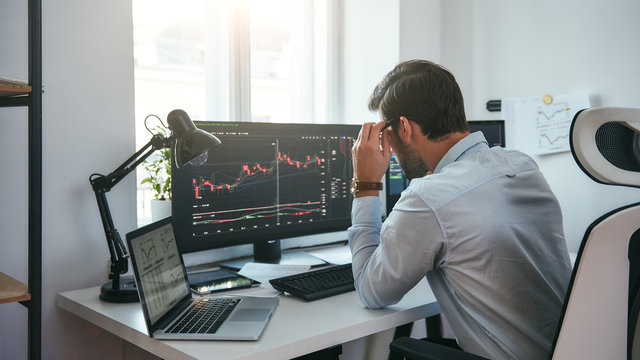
158	168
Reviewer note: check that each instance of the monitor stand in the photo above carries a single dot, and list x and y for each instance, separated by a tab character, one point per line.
269	252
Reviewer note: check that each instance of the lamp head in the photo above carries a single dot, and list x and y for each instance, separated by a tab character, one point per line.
192	144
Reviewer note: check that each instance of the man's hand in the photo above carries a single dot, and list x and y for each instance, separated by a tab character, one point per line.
371	152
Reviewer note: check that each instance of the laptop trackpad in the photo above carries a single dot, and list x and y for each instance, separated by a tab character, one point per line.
251	315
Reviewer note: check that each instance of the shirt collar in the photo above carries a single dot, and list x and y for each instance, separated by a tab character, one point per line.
469	142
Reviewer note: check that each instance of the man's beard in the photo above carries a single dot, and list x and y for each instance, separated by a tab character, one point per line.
411	163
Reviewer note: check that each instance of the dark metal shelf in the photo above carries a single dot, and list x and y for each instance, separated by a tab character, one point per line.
14	93
13	101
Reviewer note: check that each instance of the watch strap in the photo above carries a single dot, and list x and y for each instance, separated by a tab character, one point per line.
361	186
358	186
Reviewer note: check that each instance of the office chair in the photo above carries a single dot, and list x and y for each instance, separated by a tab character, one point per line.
600	314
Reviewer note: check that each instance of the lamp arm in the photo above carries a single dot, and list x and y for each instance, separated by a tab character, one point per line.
117	250
107	182
102	184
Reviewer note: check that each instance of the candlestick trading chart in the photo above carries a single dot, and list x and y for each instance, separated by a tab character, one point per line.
261	181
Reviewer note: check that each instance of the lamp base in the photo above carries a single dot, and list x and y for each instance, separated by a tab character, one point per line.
127	293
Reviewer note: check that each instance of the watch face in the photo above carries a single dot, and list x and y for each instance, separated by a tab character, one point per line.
354	190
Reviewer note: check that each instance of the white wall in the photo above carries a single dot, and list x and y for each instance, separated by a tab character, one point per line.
500	48
370	48
87	127
420	24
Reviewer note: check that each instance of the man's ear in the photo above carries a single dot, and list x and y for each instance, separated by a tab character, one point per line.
404	129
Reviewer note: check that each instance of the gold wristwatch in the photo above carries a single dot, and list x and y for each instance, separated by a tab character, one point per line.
357	186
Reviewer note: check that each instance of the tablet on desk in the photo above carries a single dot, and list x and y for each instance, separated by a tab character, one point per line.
210	281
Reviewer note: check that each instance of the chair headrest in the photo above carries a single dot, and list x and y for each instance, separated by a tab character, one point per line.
605	142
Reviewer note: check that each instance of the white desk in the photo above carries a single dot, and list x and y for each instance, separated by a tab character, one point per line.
296	328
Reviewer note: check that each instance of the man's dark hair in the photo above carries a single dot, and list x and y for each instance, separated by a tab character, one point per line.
423	92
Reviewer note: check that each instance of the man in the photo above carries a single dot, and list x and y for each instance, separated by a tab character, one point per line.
480	223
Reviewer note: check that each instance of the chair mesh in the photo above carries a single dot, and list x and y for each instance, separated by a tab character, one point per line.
619	145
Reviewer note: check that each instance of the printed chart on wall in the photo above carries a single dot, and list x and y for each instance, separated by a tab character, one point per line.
540	125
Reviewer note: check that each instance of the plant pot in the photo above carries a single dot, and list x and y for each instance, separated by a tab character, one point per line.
160	209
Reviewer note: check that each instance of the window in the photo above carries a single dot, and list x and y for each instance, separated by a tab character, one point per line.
250	60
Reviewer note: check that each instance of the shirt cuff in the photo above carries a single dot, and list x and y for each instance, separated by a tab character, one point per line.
366	211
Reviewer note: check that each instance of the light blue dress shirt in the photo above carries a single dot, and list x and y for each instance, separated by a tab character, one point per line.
486	231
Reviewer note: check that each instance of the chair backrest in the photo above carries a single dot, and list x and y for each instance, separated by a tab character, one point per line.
600	317
594	322
605	142
634	297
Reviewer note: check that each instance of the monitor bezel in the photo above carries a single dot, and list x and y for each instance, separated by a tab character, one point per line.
500	123
181	210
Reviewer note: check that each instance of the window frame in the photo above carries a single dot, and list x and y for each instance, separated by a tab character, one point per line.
227	83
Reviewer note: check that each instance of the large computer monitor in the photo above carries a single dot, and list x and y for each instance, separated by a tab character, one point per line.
396	182
265	182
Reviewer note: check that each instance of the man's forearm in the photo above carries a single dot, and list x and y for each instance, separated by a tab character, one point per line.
364	238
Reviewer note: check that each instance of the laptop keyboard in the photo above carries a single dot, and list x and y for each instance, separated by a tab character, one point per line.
204	316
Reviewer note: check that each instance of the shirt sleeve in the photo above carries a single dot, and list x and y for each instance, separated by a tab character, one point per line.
390	259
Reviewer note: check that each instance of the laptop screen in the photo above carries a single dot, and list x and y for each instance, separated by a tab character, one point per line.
162	278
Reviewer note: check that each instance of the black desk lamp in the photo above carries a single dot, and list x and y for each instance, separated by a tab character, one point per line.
192	145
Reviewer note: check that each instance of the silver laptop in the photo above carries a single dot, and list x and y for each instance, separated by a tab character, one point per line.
170	310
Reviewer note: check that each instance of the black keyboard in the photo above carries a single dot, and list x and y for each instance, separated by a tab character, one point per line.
317	284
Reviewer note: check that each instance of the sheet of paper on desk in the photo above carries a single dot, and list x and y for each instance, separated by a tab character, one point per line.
263	273
337	255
